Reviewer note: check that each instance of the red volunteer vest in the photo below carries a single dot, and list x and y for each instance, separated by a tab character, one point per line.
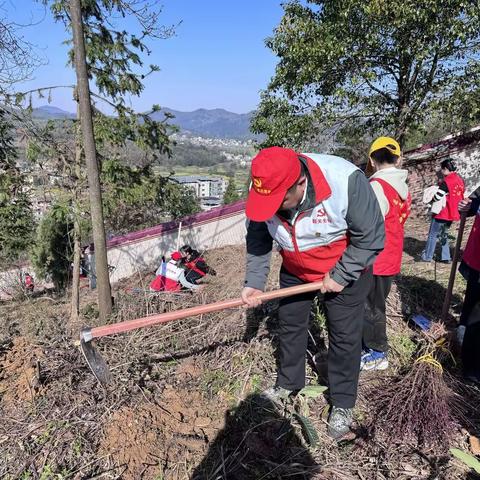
168	279
193	266
389	261
164	284
456	189
471	255
318	237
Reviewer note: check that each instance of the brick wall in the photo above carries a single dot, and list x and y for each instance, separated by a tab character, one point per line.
421	176
423	163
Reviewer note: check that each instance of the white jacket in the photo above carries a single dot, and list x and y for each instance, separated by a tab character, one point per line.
428	195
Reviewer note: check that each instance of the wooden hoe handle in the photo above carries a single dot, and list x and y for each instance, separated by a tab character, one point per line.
96	332
453	270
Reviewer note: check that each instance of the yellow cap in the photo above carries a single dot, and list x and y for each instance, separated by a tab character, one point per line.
385	142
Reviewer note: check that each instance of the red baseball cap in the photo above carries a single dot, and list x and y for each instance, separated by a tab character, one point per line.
176	256
274	171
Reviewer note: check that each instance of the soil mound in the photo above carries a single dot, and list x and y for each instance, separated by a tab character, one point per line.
20	374
151	439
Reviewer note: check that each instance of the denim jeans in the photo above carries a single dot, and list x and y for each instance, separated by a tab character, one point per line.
438	231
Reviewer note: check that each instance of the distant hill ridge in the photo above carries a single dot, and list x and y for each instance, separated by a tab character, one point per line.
215	123
49	112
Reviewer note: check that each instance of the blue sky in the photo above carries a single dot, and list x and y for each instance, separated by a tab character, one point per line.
217	59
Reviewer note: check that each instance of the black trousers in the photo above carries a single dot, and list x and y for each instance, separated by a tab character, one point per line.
471	350
472	295
471	340
375	324
345	312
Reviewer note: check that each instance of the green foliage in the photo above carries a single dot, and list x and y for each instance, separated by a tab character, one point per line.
177	201
308	430
16	216
52	251
218	382
136	198
133	196
16	219
383	65
313	391
404	348
115	63
319	316
230	194
185	154
468	459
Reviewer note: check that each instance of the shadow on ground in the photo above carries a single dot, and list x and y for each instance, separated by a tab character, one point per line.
257	442
413	246
426	295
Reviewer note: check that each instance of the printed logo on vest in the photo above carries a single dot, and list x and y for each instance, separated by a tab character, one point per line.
321	217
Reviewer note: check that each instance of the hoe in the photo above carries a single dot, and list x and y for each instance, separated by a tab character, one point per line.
97	364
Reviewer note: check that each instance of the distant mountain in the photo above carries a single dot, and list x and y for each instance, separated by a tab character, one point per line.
216	123
49	112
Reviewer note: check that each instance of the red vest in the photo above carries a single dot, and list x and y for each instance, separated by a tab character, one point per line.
313	244
164	284
456	189
192	265
471	255
389	261
168	279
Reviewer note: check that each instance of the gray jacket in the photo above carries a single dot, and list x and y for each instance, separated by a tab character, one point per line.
365	231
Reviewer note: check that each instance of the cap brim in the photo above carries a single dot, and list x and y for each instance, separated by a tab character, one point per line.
262	207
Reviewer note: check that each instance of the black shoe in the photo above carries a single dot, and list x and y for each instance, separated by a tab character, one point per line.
339	422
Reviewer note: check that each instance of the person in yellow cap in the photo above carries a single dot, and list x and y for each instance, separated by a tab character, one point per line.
389	183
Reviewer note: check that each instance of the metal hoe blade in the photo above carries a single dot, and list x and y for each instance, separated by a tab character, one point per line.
96	362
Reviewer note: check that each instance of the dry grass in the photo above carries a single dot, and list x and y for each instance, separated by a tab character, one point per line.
184	399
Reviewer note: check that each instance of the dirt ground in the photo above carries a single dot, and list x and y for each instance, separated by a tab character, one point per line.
184	397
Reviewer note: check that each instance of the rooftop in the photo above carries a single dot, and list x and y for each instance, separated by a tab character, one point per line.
194	178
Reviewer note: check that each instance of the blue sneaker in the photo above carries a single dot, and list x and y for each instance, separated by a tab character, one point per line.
373	360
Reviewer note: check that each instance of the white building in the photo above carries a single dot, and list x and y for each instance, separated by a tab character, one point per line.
211	187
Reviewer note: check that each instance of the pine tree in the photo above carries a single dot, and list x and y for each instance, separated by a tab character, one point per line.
53	247
16	216
111	61
230	194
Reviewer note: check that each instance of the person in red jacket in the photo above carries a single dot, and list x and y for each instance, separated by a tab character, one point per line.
470	316
29	284
453	189
391	189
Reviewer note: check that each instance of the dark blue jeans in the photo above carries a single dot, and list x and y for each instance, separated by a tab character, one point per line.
438	232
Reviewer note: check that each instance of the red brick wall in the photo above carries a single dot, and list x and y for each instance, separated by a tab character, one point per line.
421	175
422	165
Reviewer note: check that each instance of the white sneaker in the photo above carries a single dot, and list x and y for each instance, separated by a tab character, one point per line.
373	360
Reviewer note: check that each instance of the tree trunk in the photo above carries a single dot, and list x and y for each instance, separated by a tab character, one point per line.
75	302
401	124
96	210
